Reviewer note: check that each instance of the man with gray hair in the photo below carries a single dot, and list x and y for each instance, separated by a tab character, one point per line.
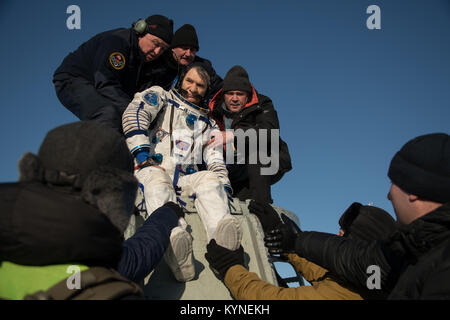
167	133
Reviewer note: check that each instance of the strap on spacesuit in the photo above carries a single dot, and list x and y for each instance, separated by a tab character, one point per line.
177	189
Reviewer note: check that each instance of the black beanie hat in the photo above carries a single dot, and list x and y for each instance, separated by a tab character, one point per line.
366	223
81	147
237	79
185	36
422	167
161	27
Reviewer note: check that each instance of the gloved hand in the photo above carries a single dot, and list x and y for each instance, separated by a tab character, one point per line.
282	238
221	259
176	208
266	214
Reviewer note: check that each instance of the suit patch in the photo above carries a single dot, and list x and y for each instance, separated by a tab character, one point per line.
117	60
182	145
159	135
151	98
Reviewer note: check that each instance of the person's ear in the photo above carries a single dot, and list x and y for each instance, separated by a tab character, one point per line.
412	197
30	168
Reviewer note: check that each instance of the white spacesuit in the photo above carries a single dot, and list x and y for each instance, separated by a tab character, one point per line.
168	132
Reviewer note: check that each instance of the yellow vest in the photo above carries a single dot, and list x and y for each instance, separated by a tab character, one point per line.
17	281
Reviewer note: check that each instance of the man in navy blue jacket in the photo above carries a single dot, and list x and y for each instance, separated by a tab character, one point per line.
145	248
99	79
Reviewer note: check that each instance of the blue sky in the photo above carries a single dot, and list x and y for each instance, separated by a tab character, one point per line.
347	97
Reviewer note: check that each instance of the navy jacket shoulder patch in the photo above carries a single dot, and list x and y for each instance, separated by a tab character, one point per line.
117	60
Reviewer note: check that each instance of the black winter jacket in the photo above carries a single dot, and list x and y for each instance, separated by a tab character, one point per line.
259	113
115	80
40	225
414	262
45	226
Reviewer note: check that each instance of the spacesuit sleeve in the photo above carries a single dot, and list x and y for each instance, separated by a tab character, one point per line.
213	158
140	113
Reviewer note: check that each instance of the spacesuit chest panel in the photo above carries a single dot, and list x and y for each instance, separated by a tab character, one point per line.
176	137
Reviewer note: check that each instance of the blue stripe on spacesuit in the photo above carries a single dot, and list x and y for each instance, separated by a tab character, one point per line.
204	119
175	185
135	132
185	101
174	83
176	175
174	103
177	105
141	146
141	106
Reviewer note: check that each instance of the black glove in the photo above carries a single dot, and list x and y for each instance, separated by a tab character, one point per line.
266	214
282	238
221	259
176	208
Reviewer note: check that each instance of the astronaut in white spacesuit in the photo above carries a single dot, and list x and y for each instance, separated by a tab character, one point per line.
168	134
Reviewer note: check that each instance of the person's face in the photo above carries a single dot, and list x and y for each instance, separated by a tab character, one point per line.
401	203
152	46
194	86
184	55
235	100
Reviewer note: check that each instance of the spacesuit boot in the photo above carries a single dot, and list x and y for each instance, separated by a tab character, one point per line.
229	233
179	255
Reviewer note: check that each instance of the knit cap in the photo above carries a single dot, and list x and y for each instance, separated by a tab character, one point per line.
78	148
366	222
185	36
237	79
422	167
161	27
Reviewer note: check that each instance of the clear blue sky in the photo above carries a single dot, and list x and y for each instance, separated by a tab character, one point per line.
347	97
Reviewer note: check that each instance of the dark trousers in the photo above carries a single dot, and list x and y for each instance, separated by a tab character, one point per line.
248	183
81	98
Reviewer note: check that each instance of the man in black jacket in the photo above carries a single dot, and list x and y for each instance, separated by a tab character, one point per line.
71	206
99	79
239	106
183	52
415	262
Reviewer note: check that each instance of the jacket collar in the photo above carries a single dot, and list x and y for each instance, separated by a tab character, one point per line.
190	104
218	96
136	51
426	232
